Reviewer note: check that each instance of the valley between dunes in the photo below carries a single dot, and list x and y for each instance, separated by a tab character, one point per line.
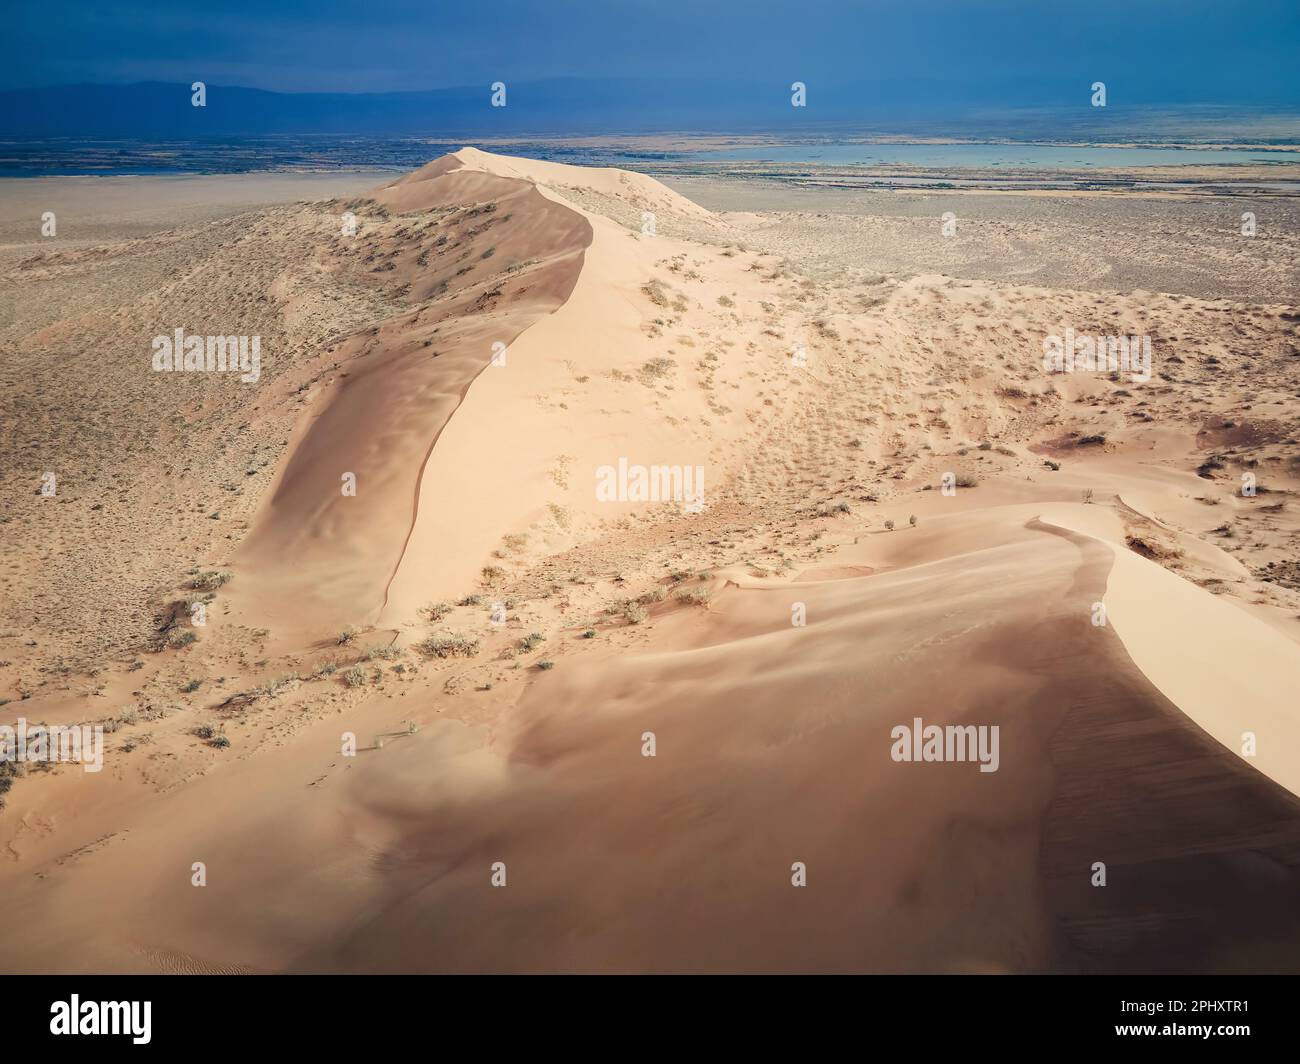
500	641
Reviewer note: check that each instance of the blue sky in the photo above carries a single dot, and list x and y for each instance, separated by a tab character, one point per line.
1151	50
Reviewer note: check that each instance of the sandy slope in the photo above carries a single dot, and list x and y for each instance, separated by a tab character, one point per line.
1119	743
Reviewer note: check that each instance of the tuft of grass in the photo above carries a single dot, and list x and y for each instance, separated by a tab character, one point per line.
655	291
355	676
546	666
436	611
531	641
448	646
210	580
694	596
652	370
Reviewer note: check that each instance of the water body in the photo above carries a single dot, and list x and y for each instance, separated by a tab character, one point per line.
995	156
315	154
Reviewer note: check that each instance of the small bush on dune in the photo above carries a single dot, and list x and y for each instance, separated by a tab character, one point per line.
448	646
436	611
210	580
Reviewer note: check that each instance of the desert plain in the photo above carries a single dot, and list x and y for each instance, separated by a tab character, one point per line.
450	707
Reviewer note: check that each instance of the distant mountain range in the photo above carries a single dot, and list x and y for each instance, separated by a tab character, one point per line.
156	110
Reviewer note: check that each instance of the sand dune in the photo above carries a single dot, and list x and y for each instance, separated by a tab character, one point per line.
499	640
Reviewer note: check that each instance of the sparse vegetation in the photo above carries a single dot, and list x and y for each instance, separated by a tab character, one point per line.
213	735
436	611
656	292
210	580
448	646
694	596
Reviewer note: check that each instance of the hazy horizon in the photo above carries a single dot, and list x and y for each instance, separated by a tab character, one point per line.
1155	52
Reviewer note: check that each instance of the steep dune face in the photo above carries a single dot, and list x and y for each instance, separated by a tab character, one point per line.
332	534
773	746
